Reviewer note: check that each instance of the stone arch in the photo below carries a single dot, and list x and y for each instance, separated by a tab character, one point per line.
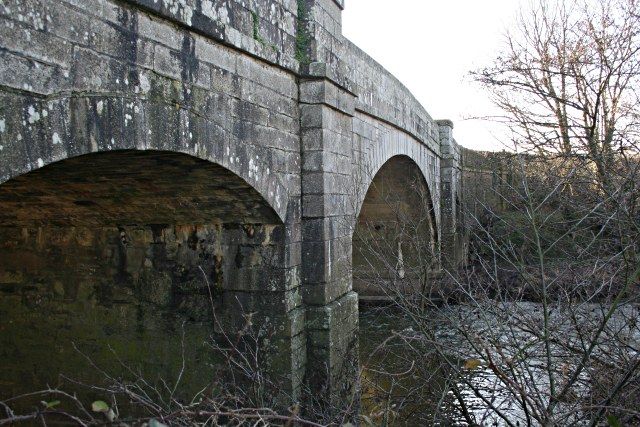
120	248
390	144
395	238
35	132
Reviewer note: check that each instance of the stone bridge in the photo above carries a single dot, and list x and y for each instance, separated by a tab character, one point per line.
158	157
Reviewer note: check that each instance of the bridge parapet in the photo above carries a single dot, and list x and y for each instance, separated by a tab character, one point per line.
264	28
378	92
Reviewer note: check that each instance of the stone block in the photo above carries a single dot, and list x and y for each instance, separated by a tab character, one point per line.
332	351
37	45
220	56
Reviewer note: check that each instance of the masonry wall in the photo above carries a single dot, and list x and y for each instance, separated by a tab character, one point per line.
327	209
143	295
123	288
122	78
269	91
394	241
111	249
103	76
491	173
454	232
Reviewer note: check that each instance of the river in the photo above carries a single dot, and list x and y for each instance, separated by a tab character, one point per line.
405	381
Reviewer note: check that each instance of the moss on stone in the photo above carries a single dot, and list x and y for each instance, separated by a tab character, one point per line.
303	38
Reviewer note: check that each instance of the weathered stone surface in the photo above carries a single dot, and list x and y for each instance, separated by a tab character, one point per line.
143	140
395	241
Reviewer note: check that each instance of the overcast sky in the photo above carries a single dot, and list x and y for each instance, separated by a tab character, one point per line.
431	46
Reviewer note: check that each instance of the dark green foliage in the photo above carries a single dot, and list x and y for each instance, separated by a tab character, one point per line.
303	37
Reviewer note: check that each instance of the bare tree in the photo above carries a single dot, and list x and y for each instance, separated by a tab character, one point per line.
567	81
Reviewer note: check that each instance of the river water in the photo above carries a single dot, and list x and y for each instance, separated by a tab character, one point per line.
406	382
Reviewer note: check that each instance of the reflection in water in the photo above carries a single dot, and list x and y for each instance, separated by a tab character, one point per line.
405	381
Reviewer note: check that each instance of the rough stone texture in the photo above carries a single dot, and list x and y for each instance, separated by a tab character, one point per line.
131	187
140	233
492	173
255	120
394	242
130	288
326	112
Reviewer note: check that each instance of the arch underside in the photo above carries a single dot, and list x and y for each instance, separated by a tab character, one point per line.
119	249
39	132
377	143
131	187
395	238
